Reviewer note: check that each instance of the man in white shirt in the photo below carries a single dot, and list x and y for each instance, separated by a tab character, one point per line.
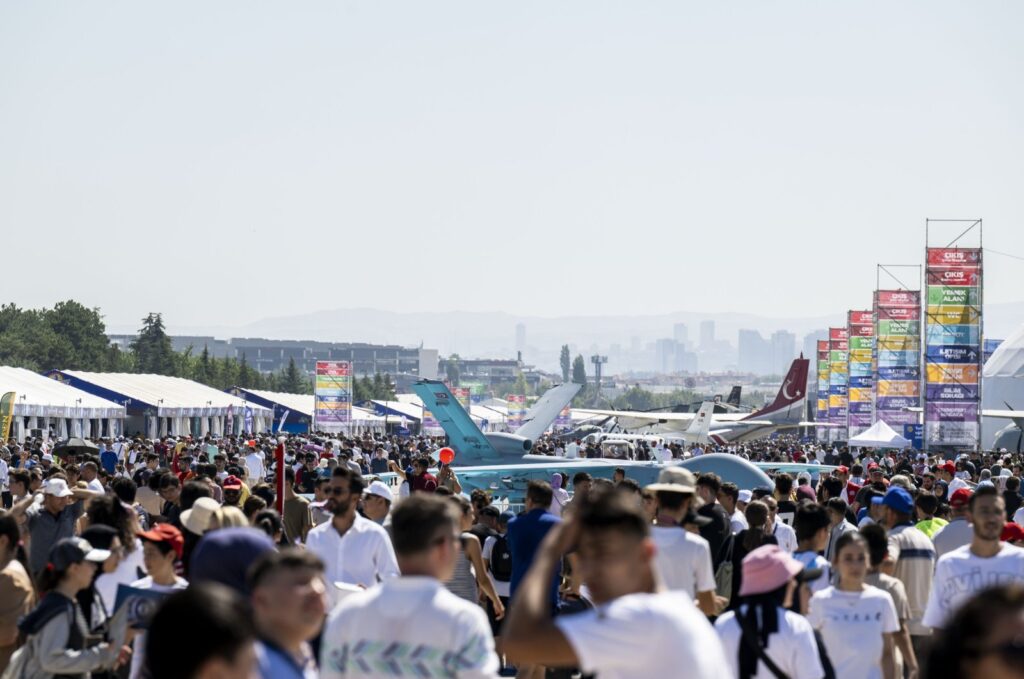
958	532
254	463
90	474
683	559
728	497
985	562
572	449
412	625
636	630
355	550
785	535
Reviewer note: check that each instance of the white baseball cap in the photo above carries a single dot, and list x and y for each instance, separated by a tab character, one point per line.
380	489
745	496
57	488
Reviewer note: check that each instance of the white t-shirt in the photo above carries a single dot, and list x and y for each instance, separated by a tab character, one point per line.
559	499
501	588
814	560
792	648
139	643
956	484
852	625
254	463
738	521
572	451
95	486
785	535
1018	517
683	560
377	632
960	574
644	635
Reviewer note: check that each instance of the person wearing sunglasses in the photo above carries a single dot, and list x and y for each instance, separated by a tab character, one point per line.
354	549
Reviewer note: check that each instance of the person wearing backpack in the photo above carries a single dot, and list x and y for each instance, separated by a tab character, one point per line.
497	555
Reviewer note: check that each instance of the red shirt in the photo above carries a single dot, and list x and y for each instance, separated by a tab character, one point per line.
425	483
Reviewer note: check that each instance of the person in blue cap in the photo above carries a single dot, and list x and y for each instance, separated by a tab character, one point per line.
911	560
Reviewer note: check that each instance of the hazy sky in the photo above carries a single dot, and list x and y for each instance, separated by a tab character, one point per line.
227	161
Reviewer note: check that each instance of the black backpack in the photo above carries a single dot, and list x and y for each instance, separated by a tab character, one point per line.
501	559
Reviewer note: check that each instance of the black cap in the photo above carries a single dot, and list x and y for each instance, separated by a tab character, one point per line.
75	550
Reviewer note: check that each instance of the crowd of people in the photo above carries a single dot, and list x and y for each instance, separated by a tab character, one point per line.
177	558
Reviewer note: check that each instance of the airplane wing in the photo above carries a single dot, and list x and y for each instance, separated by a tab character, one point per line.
463	434
640	415
1004	414
544	411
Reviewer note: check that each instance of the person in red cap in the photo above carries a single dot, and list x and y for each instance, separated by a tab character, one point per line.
957	532
766	635
947	472
986	561
1013	534
232	491
162	546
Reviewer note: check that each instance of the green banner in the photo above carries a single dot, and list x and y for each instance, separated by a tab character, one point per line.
6	415
959	296
899	328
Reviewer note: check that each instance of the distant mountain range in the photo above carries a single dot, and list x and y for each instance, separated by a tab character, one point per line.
493	334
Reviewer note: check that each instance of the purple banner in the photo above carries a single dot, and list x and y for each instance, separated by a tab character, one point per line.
951	412
951	392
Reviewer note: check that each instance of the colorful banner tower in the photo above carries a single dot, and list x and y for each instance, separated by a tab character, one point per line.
821	413
838	382
860	327
897	355
332	396
953	349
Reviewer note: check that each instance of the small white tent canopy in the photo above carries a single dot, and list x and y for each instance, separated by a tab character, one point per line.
42	403
174	405
879	435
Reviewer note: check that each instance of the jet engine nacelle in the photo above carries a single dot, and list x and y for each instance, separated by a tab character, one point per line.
509	444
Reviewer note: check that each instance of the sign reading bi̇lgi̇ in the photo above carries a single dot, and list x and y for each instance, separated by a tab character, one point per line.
953	350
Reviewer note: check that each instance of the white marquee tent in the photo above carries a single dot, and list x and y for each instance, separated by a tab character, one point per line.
160	404
879	435
45	404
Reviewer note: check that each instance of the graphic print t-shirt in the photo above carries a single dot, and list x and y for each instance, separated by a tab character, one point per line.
852	625
960	575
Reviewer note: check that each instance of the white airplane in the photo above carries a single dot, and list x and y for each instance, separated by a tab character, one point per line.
786	411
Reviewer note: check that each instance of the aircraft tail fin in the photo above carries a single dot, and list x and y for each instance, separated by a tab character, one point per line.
701	423
789	401
464	436
734	396
544	411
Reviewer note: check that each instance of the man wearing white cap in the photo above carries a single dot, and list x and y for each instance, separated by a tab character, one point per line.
377	502
51	520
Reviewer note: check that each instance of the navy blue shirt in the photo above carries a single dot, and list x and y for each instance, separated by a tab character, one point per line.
108	459
525	533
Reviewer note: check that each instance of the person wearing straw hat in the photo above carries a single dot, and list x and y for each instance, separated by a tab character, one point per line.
683	559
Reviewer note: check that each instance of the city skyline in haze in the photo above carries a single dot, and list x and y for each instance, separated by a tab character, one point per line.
228	163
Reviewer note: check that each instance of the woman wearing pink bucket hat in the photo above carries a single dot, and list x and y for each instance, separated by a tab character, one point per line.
766	636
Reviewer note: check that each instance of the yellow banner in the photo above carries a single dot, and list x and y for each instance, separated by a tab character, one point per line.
860	395
899	343
898	388
6	415
860	355
953	315
951	373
